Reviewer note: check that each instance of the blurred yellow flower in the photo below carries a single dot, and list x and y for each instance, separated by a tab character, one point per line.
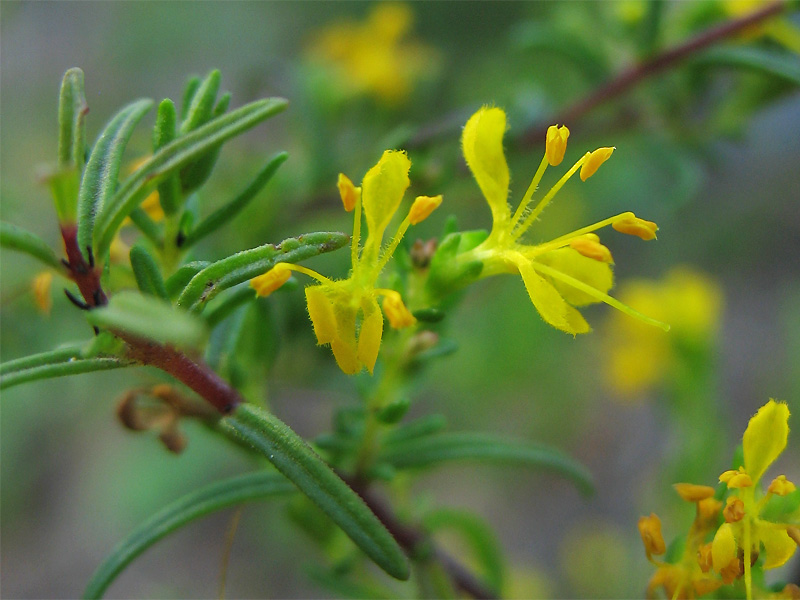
345	313
690	576
778	28
764	440
374	56
41	286
639	357
569	271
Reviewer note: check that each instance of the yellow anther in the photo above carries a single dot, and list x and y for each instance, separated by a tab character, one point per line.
556	144
708	509
349	192
704	557
794	533
736	479
693	493
781	486
593	161
41	291
423	207
589	246
734	510
636	226
650	530
270	281
394	309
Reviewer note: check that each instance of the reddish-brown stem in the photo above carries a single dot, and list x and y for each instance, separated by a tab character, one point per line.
635	74
193	373
413	540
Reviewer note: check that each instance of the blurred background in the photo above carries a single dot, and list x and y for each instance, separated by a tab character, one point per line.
709	150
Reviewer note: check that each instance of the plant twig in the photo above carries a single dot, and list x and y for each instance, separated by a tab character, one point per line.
411	539
637	73
193	373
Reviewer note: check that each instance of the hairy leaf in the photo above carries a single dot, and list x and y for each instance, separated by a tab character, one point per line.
299	463
247	264
16	238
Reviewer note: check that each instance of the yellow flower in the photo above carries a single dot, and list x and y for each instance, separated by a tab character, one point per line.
764	440
374	57
638	357
569	271
689	577
345	313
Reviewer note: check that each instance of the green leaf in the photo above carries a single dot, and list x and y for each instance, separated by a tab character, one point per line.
227	304
781	64
71	366
146	225
196	174
212	498
300	464
478	535
147	273
432	450
192	85
16	238
150	318
180	278
424	426
102	169
169	192
173	157
201	106
58	355
72	109
245	265
227	212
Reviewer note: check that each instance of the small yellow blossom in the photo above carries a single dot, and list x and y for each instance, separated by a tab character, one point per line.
42	284
639	357
571	270
375	57
689	576
764	440
345	313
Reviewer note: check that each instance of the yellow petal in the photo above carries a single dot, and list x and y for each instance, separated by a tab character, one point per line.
346	356
381	193
551	306
765	438
592	272
320	309
344	345
369	338
778	546
396	311
723	548
482	142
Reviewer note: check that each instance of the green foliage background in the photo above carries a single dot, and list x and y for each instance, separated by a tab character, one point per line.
716	169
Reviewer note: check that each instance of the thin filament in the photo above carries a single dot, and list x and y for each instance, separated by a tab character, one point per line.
387	254
537	178
549	196
309	272
595	293
564	240
356	233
